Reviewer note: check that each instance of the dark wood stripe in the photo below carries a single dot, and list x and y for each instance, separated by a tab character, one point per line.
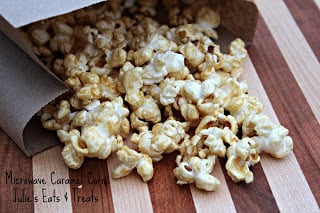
289	103
307	16
94	188
256	196
15	161
166	196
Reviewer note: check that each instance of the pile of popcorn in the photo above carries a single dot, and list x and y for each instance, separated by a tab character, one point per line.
143	89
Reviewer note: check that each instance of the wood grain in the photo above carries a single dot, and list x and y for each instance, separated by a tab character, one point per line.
282	70
307	17
317	2
220	201
13	160
244	195
163	192
285	171
290	105
129	194
295	50
50	166
94	187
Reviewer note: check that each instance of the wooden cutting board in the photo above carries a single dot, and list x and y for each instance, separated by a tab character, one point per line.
282	70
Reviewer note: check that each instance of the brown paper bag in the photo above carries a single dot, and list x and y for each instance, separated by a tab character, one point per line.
26	85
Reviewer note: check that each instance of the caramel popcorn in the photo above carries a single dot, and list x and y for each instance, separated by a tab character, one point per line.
193	55
161	65
242	106
241	156
208	20
163	138
197	170
131	159
156	88
270	137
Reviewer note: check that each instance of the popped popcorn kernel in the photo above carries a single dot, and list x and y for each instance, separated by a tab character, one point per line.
142	56
71	157
170	89
208	20
130	159
40	36
163	138
148	110
237	48
188	111
241	156
193	55
270	137
156	87
161	65
116	58
197	170
242	106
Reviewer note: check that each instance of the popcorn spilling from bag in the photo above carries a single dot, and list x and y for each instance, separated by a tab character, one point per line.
143	89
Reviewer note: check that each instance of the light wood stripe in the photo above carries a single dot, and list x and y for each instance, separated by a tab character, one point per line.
129	194
283	175
295	49
43	165
218	201
289	103
317	3
307	16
